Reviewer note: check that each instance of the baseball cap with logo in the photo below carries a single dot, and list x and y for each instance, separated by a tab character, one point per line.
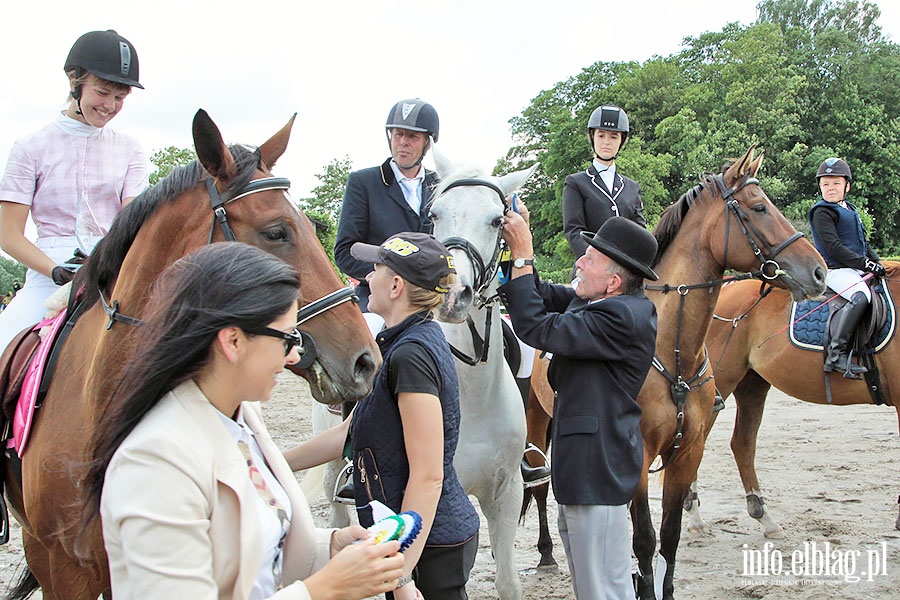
416	257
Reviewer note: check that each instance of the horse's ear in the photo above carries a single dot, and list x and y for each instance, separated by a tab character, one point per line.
756	164
442	165
514	181
272	150
212	152
740	166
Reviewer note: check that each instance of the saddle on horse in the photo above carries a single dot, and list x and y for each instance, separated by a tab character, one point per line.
849	329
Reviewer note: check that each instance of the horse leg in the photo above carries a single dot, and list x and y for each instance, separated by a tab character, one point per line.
644	538
750	399
500	510
538	424
676	488
696	524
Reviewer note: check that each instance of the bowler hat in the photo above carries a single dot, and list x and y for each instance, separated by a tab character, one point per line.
627	243
416	257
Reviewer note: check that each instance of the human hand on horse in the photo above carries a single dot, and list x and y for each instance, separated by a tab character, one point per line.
517	233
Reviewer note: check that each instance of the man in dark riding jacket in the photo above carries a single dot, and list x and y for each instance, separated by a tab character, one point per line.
382	201
839	237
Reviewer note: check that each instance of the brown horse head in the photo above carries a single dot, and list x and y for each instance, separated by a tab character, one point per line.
742	229
150	237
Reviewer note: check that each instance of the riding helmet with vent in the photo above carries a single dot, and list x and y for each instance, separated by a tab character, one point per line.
106	55
416	115
834	167
609	118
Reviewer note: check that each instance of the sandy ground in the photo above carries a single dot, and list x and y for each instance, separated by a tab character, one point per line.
830	475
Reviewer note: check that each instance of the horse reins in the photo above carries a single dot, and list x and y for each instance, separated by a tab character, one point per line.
768	271
483	275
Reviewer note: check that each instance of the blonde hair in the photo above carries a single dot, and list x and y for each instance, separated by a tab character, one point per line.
85	77
421	299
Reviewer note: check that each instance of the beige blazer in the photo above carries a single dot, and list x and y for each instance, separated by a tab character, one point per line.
178	521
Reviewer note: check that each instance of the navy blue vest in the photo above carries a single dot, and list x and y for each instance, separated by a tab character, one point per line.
381	469
849	229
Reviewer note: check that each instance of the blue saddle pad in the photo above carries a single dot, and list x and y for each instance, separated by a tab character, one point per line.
810	317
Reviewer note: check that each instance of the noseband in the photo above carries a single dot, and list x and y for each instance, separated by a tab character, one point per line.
217	202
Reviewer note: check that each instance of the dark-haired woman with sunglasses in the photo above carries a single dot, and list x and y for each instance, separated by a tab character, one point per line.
195	499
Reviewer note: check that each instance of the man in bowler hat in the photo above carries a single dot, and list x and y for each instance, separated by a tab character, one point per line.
602	333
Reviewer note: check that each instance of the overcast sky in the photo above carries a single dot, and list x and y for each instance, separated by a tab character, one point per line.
341	65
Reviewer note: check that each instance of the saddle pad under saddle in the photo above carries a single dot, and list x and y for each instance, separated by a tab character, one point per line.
808	322
24	412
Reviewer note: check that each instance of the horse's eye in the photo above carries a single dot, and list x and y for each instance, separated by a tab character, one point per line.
277	233
759	208
497	222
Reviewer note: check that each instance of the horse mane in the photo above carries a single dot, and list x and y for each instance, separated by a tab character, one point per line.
672	218
102	269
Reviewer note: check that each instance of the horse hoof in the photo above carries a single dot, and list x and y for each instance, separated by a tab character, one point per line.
699	529
548	569
774	533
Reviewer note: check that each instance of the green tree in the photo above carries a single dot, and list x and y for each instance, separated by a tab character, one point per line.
10	271
810	79
324	208
167	159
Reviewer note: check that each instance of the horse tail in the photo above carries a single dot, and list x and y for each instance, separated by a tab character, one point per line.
526	502
25	587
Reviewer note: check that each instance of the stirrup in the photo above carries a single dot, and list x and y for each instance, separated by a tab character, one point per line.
718	403
544	471
344	484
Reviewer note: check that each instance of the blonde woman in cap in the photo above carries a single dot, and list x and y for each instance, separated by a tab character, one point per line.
405	432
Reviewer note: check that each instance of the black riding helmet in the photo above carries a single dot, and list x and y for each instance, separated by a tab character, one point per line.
106	55
834	167
416	115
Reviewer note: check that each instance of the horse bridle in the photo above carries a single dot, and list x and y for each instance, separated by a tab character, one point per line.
750	231
482	274
217	201
680	386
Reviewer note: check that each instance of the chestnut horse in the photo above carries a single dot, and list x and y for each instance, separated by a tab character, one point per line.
183	212
749	356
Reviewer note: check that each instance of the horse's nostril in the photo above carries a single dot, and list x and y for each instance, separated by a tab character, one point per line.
466	296
364	368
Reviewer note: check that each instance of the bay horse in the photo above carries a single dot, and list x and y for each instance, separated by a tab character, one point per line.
467	212
749	346
228	194
725	222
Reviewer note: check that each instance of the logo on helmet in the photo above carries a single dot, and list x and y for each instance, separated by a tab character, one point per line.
406	109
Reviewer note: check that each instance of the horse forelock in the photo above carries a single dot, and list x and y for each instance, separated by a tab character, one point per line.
107	258
670	222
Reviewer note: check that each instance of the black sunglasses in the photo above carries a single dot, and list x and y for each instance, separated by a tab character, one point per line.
291	340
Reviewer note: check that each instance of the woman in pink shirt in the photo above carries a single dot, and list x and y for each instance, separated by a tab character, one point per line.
72	176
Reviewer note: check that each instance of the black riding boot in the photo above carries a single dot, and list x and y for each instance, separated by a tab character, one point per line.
837	357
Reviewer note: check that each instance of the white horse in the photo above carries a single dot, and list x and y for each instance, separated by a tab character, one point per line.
468	215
